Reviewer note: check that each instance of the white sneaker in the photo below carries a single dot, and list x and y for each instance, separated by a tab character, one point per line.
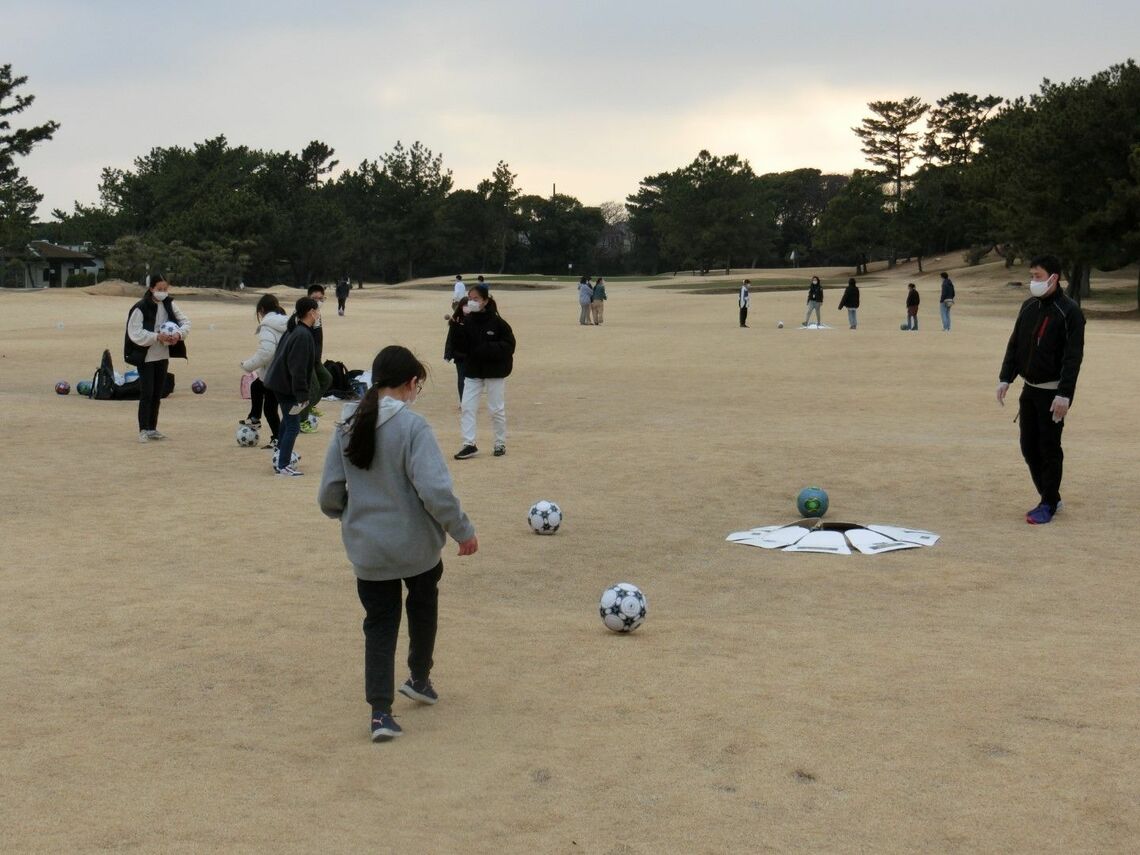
144	436
156	434
289	472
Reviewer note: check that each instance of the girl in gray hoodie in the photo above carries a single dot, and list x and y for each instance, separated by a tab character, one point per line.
385	479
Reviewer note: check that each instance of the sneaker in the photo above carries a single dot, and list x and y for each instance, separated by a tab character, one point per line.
465	452
500	449
156	434
316	411
144	436
1040	515
307	427
253	423
271	444
288	471
384	727
419	690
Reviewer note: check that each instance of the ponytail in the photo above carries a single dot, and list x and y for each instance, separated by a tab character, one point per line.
302	308
393	367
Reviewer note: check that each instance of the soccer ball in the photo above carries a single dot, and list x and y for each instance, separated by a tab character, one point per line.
294	458
622	607
169	328
198	387
83	387
314	421
62	387
904	326
544	517
779	325
812	502
248	437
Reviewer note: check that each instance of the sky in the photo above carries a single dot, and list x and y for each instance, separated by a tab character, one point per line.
586	97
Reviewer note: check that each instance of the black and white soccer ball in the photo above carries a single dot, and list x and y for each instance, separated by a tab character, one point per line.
294	458
247	436
623	607
169	328
544	517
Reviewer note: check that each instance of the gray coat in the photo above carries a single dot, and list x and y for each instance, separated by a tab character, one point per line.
393	516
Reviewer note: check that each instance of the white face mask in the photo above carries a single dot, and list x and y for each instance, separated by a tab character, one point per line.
474	306
160	295
1038	289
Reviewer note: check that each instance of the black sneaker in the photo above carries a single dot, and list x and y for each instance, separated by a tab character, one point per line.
465	452
500	449
384	727
419	690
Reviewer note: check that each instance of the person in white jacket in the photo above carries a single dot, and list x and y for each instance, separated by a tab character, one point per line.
156	332
271	323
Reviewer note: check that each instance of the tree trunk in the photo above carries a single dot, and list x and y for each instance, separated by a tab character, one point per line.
1138	291
1078	274
919	263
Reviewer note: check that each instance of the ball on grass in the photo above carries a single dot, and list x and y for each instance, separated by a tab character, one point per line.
62	387
198	387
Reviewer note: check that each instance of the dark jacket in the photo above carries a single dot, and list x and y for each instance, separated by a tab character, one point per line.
292	364
815	292
135	354
343	289
912	298
1047	343
485	343
947	290
850	298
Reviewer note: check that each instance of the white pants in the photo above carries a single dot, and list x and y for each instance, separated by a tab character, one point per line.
496	405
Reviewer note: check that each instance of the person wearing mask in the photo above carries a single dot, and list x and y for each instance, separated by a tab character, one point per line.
744	301
1046	349
147	347
486	343
387	483
598	301
946	300
289	377
850	302
271	324
814	301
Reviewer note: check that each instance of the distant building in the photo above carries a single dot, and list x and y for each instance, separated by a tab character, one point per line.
48	265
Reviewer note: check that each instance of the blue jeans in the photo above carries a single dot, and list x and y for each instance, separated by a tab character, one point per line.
851	318
290	427
945	310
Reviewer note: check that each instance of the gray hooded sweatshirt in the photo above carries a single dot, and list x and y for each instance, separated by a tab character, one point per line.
393	516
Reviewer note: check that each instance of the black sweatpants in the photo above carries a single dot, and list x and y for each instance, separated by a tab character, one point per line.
1041	442
743	316
382	613
152	380
261	398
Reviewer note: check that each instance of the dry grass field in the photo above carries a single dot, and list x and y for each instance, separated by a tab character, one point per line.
182	667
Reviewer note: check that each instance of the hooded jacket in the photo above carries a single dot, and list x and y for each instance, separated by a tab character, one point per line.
394	516
1047	343
269	332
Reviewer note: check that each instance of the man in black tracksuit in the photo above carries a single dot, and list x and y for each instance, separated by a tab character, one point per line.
1045	348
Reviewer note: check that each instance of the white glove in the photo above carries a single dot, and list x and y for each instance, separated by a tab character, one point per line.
1059	408
1002	388
298	408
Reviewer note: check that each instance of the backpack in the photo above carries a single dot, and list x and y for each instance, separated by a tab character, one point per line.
103	383
341	383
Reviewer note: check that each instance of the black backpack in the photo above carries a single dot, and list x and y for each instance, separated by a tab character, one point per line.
341	383
103	383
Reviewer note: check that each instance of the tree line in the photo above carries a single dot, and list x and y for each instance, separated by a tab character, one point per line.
1058	171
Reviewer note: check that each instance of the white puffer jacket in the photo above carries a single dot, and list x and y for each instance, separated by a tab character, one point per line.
269	332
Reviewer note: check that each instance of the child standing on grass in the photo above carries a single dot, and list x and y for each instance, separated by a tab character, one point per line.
150	349
271	324
385	479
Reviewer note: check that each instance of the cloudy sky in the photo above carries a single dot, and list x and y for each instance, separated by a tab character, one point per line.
588	96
